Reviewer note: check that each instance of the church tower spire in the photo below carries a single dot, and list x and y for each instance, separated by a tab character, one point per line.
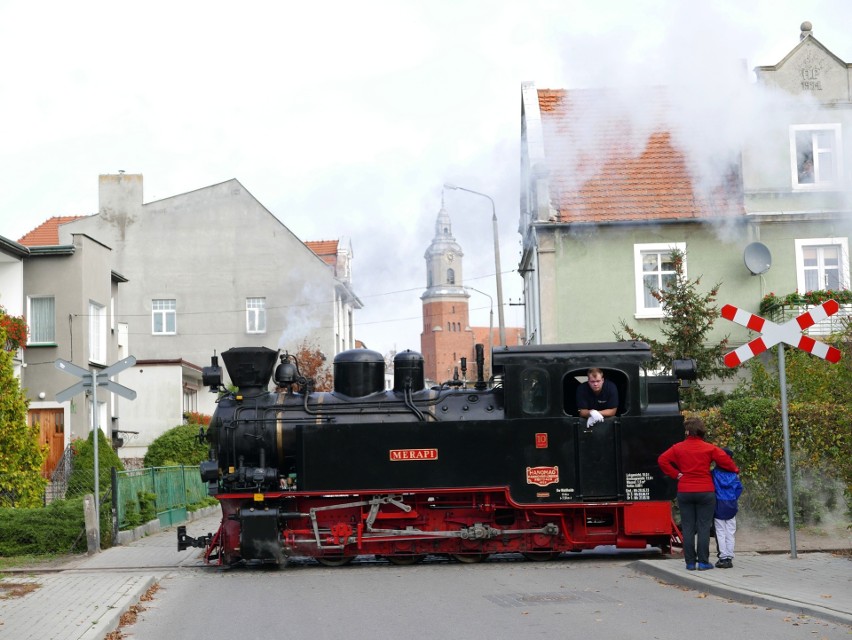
447	335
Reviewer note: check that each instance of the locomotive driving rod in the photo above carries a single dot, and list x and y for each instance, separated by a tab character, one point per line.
476	532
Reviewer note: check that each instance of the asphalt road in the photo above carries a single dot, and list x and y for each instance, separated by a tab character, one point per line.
572	597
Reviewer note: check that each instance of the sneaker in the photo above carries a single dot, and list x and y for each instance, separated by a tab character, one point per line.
690	566
704	566
720	564
727	563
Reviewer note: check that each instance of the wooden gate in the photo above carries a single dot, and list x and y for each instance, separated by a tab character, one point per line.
52	430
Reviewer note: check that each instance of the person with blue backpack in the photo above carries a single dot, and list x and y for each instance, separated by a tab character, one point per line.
728	489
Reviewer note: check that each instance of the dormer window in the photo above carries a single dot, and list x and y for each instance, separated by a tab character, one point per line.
815	156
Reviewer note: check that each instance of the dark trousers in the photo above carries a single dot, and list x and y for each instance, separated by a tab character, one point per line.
696	517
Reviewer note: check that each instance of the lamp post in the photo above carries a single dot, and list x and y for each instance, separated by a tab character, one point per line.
496	258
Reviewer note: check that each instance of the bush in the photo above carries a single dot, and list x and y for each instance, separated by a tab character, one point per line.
147	506
21	456
81	480
57	528
820	451
177	446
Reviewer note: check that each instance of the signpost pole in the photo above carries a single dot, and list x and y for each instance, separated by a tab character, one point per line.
95	437
785	427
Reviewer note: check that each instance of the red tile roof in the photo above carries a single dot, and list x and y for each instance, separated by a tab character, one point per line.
608	166
47	233
325	249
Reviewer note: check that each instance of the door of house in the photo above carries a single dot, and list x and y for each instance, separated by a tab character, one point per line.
52	428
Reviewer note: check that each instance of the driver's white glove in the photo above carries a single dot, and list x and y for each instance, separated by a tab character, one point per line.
594	417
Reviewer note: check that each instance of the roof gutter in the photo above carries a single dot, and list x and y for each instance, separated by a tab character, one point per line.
13	247
53	250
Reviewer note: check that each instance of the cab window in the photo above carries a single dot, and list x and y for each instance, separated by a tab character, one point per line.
535	384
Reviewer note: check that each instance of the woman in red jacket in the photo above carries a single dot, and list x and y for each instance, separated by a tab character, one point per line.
689	463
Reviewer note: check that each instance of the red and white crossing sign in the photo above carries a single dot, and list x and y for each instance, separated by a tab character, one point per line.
790	333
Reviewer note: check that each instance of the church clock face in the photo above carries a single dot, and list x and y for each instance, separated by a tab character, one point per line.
451	256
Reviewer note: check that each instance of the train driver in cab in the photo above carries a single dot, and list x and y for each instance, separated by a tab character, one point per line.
597	398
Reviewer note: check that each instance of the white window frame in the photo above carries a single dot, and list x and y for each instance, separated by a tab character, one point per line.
638	274
164	309
256	315
103	418
97	333
822	177
190	399
44	335
843	276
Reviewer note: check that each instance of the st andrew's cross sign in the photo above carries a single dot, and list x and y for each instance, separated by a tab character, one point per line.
788	333
90	381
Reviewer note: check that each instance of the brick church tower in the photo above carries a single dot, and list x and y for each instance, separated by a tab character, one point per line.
447	335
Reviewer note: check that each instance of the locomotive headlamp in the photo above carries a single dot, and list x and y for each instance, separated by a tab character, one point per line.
212	376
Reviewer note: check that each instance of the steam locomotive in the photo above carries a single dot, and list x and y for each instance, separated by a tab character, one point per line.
463	469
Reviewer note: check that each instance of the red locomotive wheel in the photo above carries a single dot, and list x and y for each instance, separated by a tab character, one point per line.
540	556
405	561
470	558
335	561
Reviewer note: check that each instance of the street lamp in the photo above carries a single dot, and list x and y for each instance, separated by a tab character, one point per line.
496	258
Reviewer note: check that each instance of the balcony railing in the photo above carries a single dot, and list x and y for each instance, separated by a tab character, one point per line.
836	323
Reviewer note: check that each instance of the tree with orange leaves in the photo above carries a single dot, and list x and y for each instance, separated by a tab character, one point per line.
314	364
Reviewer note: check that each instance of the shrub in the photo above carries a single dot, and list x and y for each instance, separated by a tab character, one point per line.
21	456
57	528
179	445
821	455
81	480
147	506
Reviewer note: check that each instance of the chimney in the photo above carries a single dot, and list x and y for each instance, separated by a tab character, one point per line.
119	193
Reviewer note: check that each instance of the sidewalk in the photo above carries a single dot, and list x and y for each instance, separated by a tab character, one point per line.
813	584
84	598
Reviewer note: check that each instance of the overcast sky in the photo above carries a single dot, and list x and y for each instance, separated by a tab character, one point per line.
344	118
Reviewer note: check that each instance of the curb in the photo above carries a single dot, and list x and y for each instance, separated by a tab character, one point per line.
110	622
684	579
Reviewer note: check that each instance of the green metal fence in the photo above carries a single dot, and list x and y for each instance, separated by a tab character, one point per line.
173	487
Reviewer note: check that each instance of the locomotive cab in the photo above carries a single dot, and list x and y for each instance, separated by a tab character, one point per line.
573	379
547	377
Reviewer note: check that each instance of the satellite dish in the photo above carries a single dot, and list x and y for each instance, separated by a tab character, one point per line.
757	258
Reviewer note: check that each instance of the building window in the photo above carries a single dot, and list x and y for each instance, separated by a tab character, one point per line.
190	399
814	155
102	415
163	317
654	271
451	276
822	263
41	320
256	315
97	333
